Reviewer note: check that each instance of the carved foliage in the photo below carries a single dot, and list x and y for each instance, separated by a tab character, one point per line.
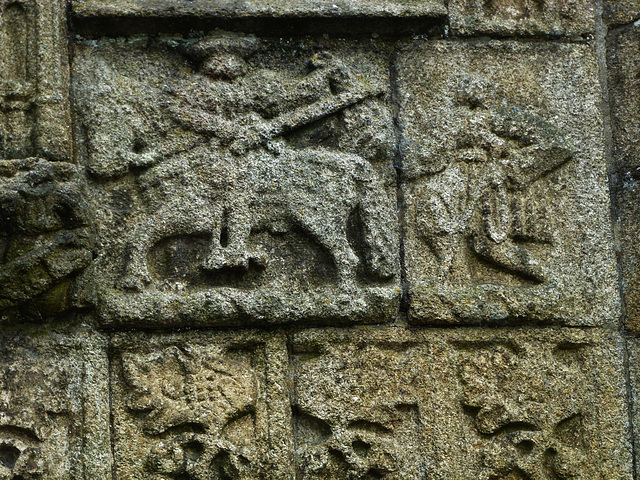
529	408
357	412
193	412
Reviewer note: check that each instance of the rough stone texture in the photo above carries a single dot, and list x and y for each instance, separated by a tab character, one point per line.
367	403
467	404
337	163
505	184
53	405
34	80
633	349
201	406
625	108
523	17
45	237
618	12
257	8
240	181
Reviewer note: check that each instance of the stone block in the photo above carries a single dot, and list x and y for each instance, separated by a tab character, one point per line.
239	180
624	94
35	117
46	237
505	184
201	405
54	405
523	17
257	8
619	12
633	349
465	404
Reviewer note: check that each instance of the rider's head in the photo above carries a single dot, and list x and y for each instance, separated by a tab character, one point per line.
224	56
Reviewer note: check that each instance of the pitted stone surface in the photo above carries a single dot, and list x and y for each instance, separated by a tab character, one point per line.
571	18
505	184
258	8
235	237
625	109
620	12
46	237
238	181
201	406
466	404
53	405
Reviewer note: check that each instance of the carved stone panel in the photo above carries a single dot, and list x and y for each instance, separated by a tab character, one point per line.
624	82
201	406
34	80
488	405
505	184
46	238
53	406
240	181
523	17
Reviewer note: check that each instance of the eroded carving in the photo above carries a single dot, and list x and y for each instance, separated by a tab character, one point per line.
343	427
528	428
497	177
199	411
484	200
39	413
34	107
243	151
524	17
45	235
196	412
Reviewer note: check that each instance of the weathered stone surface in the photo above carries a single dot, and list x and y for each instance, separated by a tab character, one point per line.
46	237
240	181
523	17
34	80
200	406
257	8
625	109
467	404
505	184
370	403
618	12
633	349
54	405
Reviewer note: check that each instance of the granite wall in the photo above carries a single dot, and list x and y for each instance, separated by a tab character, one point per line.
323	240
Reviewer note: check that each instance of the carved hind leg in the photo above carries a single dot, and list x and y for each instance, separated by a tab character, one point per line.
173	219
332	234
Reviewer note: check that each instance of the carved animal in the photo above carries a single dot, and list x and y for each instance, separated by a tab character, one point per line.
314	189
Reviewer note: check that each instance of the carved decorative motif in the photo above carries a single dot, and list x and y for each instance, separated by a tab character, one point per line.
530	429
45	380
45	236
270	173
196	411
502	190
